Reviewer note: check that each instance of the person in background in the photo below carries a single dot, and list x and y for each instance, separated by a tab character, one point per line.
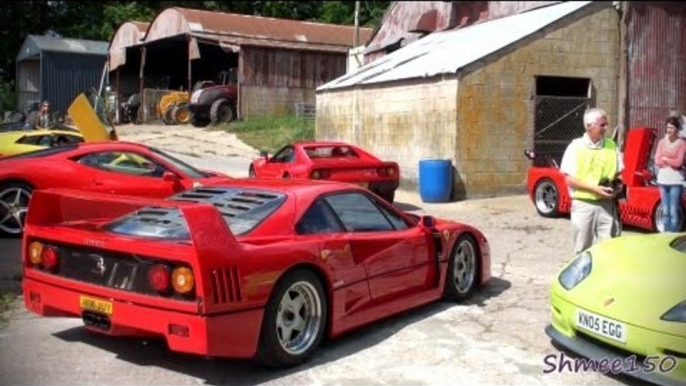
669	158
44	119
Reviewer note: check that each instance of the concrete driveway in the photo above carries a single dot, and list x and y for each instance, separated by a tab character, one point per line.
495	338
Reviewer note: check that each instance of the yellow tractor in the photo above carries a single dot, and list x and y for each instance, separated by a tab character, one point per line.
173	108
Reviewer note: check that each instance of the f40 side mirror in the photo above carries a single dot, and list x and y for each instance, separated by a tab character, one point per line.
169	177
428	222
264	154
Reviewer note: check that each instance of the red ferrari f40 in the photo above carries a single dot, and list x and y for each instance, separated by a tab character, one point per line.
255	268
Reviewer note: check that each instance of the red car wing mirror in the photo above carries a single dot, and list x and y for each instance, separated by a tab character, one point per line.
169	177
428	222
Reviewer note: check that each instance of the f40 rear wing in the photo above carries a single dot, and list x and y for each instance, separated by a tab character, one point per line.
208	231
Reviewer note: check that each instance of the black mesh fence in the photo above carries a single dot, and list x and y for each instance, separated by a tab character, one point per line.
558	120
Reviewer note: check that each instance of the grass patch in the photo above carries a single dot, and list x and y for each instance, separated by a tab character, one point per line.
6	303
272	133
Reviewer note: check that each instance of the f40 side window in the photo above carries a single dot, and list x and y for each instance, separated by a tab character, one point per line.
398	222
319	219
285	155
358	213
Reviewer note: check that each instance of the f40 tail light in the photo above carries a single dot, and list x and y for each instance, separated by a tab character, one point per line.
182	280
159	278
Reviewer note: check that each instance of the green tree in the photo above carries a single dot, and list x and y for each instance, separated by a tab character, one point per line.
338	12
115	15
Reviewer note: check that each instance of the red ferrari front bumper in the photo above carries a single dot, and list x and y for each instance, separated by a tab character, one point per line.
234	335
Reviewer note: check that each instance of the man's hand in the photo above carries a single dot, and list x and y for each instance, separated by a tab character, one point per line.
604	191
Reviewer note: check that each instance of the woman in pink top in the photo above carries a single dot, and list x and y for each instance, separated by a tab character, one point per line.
669	158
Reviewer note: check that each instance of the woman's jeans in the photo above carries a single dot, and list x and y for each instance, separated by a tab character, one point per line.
671	203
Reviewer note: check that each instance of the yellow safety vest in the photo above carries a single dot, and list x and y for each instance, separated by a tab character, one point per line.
593	165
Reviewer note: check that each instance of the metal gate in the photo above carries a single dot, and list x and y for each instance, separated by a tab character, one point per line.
557	121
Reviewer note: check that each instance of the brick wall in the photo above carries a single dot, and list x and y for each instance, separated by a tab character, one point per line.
404	122
495	104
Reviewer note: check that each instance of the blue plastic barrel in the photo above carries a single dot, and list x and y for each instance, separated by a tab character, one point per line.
435	180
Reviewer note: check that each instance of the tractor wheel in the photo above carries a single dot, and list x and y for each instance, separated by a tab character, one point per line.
181	114
221	111
168	116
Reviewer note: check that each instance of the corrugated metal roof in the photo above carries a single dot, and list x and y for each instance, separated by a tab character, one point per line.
401	17
128	34
142	26
34	44
253	29
447	52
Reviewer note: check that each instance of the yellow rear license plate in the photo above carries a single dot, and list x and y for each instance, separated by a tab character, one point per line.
96	305
362	184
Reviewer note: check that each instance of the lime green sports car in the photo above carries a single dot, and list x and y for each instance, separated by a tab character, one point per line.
621	304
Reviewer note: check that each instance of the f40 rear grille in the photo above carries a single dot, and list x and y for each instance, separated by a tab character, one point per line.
225	285
108	269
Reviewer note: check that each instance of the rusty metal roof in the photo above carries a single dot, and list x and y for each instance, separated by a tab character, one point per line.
127	35
253	30
446	52
142	26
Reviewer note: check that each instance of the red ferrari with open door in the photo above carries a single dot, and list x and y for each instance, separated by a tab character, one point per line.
641	205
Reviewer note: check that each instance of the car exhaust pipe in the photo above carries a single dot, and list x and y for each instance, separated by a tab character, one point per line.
97	321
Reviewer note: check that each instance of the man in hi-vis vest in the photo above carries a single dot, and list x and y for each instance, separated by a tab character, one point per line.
587	163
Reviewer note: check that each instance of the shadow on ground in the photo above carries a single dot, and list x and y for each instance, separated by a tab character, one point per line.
244	372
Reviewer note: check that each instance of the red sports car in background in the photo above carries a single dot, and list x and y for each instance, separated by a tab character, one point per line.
261	268
640	208
333	161
108	167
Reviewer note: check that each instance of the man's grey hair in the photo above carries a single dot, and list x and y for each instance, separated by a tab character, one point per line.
592	115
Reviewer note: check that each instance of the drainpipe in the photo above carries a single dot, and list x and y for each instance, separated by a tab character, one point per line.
190	67
622	102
